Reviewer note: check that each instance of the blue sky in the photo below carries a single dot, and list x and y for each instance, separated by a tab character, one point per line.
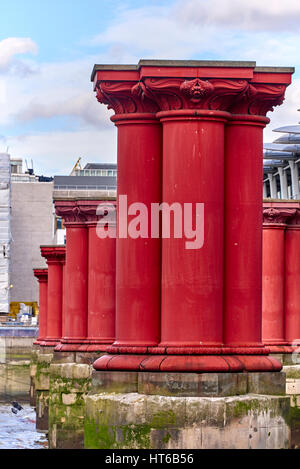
48	111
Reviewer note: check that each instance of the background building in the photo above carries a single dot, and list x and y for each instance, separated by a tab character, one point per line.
281	165
32	224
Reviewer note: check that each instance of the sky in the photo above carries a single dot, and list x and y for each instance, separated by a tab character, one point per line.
48	111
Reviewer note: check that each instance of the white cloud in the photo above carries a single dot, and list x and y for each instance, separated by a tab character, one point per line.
228	29
250	15
12	46
57	152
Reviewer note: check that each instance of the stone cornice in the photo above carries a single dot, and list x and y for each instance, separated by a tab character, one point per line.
81	211
41	274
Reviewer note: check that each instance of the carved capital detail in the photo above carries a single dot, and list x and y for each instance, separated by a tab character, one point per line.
277	215
176	94
259	99
53	254
124	97
83	211
296	218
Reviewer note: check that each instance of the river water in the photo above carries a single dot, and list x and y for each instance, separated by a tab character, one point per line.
17	431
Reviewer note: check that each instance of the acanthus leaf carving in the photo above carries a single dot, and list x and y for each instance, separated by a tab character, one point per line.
260	99
124	97
214	94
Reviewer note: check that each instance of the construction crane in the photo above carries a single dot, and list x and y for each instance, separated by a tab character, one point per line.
76	166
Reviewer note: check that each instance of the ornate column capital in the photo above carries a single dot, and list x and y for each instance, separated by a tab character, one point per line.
158	85
54	254
277	216
41	275
78	212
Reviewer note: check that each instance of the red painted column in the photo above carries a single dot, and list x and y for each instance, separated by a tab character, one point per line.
273	286
89	283
54	256
138	273
192	279
243	232
42	276
101	283
64	304
292	280
138	259
76	276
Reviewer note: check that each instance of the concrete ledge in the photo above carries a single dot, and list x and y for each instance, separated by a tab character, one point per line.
139	421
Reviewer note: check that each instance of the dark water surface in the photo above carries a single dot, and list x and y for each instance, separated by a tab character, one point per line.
17	431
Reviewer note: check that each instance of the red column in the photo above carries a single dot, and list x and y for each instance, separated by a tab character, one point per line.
211	304
138	273
273	286
292	280
42	276
138	260
243	232
64	303
192	279
54	256
101	283
76	276
89	305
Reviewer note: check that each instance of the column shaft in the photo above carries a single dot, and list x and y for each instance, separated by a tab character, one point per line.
192	279
243	232
292	279
273	284
76	284
101	288
138	261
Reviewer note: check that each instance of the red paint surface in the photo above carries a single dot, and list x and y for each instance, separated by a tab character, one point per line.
292	278
243	231
273	328
192	280
138	261
101	287
42	276
76	283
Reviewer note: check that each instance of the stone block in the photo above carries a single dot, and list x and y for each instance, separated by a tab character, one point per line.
69	399
45	358
114	381
292	371
192	384
272	383
81	371
87	358
293	386
64	357
136	421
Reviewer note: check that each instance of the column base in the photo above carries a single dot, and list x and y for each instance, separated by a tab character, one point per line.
188	363
280	348
81	347
47	342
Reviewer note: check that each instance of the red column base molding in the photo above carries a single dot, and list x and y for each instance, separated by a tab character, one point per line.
47	342
82	347
188	363
284	348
